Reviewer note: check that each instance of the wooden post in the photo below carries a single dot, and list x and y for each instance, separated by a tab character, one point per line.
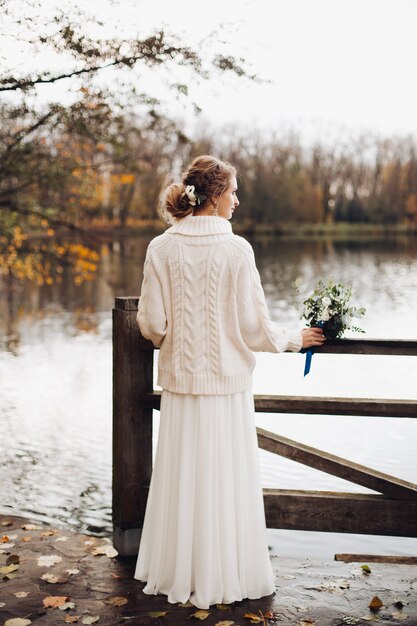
132	426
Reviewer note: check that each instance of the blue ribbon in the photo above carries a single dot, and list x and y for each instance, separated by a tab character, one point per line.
309	352
309	355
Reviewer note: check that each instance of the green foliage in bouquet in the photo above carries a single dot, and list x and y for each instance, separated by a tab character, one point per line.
329	306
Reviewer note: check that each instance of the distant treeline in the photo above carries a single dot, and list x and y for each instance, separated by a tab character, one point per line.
114	171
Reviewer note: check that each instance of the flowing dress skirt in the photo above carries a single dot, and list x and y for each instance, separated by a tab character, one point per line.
204	534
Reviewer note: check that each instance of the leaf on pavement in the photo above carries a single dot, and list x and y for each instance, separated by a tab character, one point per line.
90	619
107	549
17	621
201	614
54	601
6	569
255	619
376	603
49	559
67	605
21	594
366	569
117	600
157	613
13	559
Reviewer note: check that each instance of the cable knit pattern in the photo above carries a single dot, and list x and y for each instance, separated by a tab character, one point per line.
194	316
213	314
203	305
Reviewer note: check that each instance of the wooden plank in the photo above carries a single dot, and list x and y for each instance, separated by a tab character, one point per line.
376	558
394	347
127	303
370	407
337	466
326	511
132	430
319	406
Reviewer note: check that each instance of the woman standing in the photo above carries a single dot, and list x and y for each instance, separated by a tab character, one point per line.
202	304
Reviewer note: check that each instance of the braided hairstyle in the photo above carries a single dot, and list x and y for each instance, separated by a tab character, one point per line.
209	176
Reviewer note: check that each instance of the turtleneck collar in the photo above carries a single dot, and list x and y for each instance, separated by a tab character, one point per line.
200	225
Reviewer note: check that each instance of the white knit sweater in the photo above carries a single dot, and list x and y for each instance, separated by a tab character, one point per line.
203	305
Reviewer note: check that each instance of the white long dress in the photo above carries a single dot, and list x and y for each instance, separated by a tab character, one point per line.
204	534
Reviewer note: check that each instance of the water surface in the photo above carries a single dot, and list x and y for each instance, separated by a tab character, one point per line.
56	384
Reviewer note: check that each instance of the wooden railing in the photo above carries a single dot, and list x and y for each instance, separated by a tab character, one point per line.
391	511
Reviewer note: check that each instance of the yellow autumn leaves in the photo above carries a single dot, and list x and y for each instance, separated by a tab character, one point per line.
43	261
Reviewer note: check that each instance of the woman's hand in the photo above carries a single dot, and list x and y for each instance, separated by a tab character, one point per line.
312	337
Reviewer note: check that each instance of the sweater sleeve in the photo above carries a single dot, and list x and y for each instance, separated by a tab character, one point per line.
259	332
151	317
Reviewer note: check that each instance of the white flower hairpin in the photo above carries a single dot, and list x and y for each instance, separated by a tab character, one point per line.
193	197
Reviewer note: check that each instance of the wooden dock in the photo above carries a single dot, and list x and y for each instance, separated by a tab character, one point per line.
53	575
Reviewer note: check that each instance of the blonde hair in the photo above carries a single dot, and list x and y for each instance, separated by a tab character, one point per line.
210	177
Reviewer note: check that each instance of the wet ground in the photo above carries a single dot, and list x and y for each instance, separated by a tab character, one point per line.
52	576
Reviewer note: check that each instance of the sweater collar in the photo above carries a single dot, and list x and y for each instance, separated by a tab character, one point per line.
200	225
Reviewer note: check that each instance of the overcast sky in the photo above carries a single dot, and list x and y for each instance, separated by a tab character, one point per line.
331	63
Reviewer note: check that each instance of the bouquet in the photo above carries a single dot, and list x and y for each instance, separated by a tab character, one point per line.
328	306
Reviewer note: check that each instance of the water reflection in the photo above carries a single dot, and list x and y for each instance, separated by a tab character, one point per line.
56	386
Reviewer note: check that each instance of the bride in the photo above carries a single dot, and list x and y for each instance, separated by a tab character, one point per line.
202	304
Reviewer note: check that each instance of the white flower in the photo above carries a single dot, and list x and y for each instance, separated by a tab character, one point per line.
325	316
347	320
326	301
189	192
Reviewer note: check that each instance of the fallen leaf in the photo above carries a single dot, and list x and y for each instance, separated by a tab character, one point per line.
157	613
7	546
54	601
12	559
113	575
21	594
117	601
11	575
2	604
71	618
399	615
288	577
201	614
348	619
5	539
49	559
255	619
90	619
48	533
72	571
224	623
63	538
185	605
376	603
268	615
17	621
223	607
6	569
366	569
51	578
108	550
27	538
7	522
306	622
66	605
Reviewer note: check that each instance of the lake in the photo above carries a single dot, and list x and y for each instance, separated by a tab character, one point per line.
56	384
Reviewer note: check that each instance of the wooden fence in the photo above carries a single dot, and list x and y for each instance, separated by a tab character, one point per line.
390	511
